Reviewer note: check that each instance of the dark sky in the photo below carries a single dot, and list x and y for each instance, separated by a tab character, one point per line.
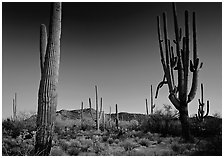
112	45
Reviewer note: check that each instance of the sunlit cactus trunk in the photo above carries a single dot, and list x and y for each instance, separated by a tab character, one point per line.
180	62
47	95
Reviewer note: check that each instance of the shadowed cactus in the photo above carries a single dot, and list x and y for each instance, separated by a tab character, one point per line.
178	92
117	117
47	95
152	104
146	106
201	113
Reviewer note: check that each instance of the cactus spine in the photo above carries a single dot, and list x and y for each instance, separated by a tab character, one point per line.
47	95
117	117
146	105
200	117
14	107
152	104
178	93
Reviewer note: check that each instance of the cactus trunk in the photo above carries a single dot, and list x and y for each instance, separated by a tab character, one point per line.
47	95
146	105
117	117
152	104
178	94
14	107
81	115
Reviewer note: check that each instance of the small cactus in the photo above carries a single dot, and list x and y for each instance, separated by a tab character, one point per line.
201	113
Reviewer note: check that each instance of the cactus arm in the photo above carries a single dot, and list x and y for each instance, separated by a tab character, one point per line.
207	109
97	110
43	45
160	45
168	68
194	67
160	85
179	63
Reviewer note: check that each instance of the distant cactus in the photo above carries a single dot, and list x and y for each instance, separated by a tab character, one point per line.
146	105
47	95
81	115
178	92
117	117
152	104
201	113
14	107
98	116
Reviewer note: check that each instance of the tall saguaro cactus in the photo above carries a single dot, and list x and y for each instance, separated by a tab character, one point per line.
178	93
201	113
98	116
152	104
47	95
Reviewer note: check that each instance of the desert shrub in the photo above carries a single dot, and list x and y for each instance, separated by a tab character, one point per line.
73	151
64	144
105	138
133	125
116	141
144	142
57	151
86	143
129	144
13	147
110	140
163	121
98	147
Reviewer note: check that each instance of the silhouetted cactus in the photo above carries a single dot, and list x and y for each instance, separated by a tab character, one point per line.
178	93
146	106
47	95
14	107
201	113
152	104
81	115
117	117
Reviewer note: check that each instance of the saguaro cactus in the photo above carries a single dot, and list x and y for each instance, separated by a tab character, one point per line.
81	115
117	117
47	95
97	118
152	104
201	113
178	94
14	106
146	106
